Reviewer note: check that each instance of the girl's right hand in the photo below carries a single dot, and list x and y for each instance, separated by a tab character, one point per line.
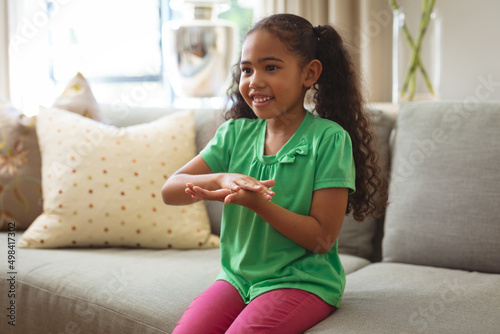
236	182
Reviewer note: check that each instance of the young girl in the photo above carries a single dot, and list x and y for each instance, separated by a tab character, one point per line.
287	178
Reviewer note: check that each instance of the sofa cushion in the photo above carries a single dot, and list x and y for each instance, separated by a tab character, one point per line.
107	290
114	290
402	298
101	184
351	263
357	238
444	190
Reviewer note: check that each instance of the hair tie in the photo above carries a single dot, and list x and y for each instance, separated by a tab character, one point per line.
317	32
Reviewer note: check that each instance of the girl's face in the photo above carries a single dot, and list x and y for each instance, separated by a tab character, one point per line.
272	82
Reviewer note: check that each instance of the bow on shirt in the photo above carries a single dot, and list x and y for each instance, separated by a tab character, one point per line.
301	149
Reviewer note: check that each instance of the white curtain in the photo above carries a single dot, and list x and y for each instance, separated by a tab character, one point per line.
366	26
27	49
4	51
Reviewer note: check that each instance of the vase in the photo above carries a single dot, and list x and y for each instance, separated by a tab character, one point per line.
199	49
416	56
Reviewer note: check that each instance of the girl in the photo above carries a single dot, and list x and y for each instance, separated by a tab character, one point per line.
281	272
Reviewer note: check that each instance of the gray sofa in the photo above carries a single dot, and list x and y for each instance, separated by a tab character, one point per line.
431	266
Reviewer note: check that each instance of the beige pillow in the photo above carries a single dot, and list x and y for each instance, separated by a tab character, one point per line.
78	98
102	184
20	184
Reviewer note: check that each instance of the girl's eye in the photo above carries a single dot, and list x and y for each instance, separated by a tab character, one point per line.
271	68
246	70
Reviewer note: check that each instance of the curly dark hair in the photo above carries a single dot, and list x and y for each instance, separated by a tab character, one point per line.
337	96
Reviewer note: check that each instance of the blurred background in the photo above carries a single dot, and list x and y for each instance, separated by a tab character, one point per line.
117	45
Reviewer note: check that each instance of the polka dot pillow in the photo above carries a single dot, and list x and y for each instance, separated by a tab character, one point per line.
102	184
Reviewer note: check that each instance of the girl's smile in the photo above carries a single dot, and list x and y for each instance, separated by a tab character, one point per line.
260	101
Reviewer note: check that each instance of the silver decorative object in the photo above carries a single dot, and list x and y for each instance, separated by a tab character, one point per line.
199	49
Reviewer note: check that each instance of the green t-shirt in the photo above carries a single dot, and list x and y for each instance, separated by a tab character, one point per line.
255	257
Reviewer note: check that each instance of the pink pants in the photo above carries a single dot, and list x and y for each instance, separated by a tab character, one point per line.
220	309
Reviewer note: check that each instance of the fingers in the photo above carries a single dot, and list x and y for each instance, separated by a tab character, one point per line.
268	183
239	197
252	184
245	197
228	199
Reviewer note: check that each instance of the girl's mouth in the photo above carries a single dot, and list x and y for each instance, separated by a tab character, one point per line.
260	101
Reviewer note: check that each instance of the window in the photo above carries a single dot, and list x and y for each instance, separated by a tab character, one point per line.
115	44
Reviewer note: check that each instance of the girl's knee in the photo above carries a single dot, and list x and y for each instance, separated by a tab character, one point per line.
212	311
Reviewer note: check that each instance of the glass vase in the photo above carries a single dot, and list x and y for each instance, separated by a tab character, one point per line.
199	49
416	56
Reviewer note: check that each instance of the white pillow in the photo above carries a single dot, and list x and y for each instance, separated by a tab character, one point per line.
102	184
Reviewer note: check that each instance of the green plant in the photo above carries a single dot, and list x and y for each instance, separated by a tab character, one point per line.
408	87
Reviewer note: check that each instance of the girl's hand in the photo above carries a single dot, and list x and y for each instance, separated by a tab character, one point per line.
236	182
244	198
231	184
241	197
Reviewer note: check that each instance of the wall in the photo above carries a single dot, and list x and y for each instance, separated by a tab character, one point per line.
470	48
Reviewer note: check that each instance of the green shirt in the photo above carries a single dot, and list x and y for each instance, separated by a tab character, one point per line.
255	257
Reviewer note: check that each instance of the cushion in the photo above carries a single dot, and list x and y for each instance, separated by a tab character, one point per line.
444	190
357	238
20	177
78	98
352	263
404	298
107	290
207	121
102	184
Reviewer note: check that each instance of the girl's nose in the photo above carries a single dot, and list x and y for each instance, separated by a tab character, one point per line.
256	83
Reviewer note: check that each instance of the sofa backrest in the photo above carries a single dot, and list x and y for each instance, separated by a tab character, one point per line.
445	186
363	238
206	122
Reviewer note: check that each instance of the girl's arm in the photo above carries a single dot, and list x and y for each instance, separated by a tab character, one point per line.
197	171
316	232
176	190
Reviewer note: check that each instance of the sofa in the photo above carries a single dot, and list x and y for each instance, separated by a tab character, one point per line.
430	265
